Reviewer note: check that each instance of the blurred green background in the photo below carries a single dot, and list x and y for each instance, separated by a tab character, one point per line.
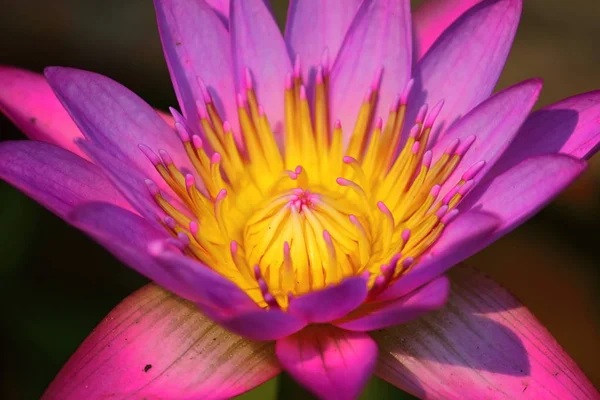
56	284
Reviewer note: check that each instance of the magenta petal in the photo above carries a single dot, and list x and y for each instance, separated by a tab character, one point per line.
330	362
483	345
571	126
197	46
522	191
54	177
257	45
432	18
379	38
221	6
155	345
331	303
463	66
429	297
494	124
27	99
465	236
258	325
316	26
114	118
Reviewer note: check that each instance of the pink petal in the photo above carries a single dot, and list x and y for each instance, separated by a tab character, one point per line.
116	119
27	99
429	297
315	26
257	45
522	191
571	126
494	124
484	344
221	6
331	303
465	236
330	362
54	177
378	38
433	17
463	66
197	46
155	345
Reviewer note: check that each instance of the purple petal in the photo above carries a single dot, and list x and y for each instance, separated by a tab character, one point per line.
257	45
155	345
432	18
494	124
29	102
571	126
522	191
331	303
330	362
115	119
463	66
484	344
221	6
465	236
54	177
197	46
315	26
429	297
378	38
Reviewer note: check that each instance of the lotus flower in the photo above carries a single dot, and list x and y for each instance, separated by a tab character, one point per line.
308	200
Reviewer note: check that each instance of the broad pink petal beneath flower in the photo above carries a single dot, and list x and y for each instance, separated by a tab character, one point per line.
257	45
571	126
155	345
116	119
330	362
484	344
522	191
463	66
54	177
330	303
128	236
258	325
197	46
432	18
463	237
494	124
427	298
316	26
27	99
379	38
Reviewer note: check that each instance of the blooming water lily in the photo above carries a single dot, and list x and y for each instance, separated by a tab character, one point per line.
306	202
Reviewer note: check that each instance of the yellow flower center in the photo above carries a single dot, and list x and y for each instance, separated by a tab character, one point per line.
281	219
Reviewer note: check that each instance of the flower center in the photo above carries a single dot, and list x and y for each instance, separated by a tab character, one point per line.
281	219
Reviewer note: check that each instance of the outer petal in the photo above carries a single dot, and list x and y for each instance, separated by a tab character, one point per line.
463	66
494	124
433	17
522	191
379	38
465	236
571	126
331	303
484	344
221	6
155	345
27	99
258	45
116	119
54	177
314	26
197	45
332	363
429	297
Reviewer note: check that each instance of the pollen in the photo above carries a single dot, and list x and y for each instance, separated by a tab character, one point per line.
285	216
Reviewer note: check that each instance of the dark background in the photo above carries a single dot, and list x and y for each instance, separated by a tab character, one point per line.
56	284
